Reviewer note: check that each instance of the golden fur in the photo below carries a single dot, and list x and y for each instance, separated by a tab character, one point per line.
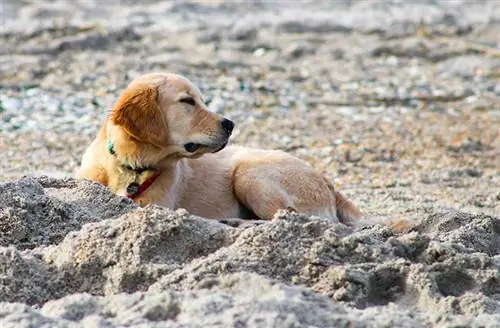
153	125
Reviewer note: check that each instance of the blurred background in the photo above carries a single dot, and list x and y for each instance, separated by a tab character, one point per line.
398	102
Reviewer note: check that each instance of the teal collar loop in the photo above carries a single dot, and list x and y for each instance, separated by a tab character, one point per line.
111	148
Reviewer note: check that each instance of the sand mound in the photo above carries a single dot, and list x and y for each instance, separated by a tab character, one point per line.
74	253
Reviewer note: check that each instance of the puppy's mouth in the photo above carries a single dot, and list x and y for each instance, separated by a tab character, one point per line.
192	147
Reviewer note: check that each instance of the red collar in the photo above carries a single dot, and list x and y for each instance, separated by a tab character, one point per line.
143	187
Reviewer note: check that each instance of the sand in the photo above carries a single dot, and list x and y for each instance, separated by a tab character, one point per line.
397	103
97	260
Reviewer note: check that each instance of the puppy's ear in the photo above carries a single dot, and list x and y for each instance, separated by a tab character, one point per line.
138	113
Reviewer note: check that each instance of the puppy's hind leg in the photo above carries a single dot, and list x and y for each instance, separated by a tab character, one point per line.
260	194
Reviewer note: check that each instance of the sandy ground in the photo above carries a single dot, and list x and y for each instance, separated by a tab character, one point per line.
74	255
399	104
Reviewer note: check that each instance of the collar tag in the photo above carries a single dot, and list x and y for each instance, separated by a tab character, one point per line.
134	190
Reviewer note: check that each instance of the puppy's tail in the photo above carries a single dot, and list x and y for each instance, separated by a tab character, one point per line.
349	215
346	211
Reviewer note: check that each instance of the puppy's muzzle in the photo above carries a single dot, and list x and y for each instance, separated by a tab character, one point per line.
227	126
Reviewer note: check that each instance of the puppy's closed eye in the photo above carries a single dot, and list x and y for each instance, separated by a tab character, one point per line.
188	100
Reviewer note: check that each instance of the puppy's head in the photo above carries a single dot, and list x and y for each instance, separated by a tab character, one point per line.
168	111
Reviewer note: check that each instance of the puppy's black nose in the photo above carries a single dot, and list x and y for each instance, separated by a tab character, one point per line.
227	125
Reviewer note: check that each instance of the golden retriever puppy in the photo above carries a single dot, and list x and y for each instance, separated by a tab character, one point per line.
162	145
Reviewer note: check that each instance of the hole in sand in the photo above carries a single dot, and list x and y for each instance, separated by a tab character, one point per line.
386	285
454	282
